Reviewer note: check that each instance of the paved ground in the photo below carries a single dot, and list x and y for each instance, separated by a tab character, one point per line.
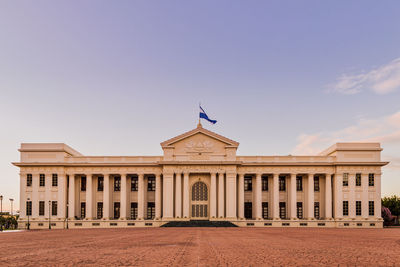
202	247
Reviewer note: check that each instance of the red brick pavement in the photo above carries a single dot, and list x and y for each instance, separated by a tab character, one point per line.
202	247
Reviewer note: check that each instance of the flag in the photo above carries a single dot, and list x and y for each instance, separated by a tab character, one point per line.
203	115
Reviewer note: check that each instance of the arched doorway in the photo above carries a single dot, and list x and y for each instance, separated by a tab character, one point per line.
199	205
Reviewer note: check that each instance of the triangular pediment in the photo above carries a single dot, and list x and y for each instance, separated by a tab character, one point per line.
199	137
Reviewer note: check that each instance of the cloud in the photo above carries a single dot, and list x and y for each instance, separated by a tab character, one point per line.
382	80
385	130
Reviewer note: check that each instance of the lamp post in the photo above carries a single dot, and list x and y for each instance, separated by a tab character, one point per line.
12	200
28	214
49	214
1	211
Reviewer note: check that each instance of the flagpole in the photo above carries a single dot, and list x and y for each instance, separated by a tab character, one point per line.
199	125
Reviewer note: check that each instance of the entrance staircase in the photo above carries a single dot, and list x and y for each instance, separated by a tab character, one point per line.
199	223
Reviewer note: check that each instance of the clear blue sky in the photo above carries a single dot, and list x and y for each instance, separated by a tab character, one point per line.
119	77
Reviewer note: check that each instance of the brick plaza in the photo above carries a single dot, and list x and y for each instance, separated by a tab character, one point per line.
202	247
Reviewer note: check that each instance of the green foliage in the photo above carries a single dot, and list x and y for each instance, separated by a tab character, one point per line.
393	204
8	222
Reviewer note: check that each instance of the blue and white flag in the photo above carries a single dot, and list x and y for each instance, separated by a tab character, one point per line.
203	115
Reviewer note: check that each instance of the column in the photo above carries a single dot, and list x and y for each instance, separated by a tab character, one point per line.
168	194
352	195
364	195
124	198
186	195
213	196
89	196
158	196
328	196
35	196
221	196
241	196
257	205
275	197
293	197
338	205
106	197
377	200
231	196
141	197
71	196
178	195
48	196
62	195
310	196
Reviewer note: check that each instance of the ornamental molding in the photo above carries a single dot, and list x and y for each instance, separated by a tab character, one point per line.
202	145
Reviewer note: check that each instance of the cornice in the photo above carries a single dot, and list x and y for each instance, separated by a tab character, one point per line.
166	163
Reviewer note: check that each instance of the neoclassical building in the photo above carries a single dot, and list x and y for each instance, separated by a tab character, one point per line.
200	177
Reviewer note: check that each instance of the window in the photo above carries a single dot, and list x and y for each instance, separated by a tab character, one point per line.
83	183
117	184
83	210
151	184
358	208
282	210
371	208
134	183
29	179
100	184
41	208
117	209
371	179
99	210
316	210
300	210
264	183
248	210
358	179
150	210
282	183
345	208
29	208
42	180
265	210
248	183
54	180
299	183
345	179
316	184
54	208
134	210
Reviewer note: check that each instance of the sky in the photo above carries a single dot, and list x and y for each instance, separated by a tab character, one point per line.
119	77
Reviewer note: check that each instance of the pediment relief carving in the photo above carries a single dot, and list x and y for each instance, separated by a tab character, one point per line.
202	145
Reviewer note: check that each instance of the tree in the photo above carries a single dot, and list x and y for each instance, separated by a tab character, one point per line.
393	204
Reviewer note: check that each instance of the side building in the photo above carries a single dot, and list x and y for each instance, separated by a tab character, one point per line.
200	177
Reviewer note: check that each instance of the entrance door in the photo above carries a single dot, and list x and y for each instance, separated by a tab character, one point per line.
199	201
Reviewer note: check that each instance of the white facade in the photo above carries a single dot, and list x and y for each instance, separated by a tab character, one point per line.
200	177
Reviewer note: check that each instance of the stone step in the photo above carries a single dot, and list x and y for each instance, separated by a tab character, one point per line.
199	223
